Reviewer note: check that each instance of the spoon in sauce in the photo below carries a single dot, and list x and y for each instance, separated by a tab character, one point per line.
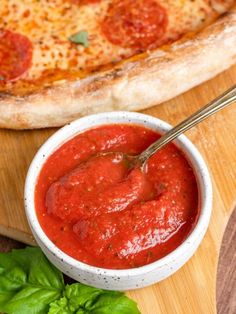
215	105
121	176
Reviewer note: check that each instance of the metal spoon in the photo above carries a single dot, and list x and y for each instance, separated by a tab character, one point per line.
215	105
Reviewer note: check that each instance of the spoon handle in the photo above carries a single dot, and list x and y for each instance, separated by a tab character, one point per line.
215	105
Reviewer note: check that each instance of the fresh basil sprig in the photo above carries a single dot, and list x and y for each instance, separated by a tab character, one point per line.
81	299
30	284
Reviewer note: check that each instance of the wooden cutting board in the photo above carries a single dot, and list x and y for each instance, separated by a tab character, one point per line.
192	289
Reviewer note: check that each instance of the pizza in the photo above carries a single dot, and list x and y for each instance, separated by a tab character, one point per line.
62	59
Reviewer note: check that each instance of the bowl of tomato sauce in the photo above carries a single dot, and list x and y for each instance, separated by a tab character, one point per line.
109	224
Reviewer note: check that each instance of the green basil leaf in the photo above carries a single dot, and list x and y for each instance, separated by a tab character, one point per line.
81	299
60	307
39	269
33	300
113	303
80	38
79	294
28	282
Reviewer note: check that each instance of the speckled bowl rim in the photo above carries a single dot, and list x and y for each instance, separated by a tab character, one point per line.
72	129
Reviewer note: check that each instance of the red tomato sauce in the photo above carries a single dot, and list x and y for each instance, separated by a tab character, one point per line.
100	210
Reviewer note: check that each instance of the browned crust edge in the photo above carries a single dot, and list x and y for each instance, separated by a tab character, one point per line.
134	85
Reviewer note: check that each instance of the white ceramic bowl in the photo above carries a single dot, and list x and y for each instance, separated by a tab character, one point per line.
128	278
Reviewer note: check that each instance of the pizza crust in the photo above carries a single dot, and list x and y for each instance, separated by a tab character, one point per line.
133	85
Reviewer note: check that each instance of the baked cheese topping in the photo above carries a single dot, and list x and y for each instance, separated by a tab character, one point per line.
74	35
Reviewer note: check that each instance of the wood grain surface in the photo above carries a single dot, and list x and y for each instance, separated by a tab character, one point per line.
192	288
226	274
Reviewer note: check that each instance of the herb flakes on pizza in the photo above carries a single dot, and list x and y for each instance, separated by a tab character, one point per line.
61	59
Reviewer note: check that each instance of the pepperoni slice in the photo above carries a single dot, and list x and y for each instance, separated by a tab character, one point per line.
15	55
135	24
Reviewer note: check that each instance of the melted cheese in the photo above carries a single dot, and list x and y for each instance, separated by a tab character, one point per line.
49	24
